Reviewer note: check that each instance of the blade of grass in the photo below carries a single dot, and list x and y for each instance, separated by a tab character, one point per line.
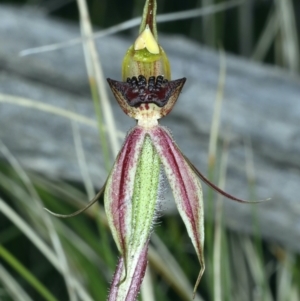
46	219
82	246
242	285
199	12
209	26
246	27
75	197
267	36
16	191
54	5
196	24
217	258
226	269
214	130
62	191
15	290
70	194
250	172
164	263
106	252
284	279
40	244
212	150
290	43
87	181
41	106
257	270
294	295
26	274
97	84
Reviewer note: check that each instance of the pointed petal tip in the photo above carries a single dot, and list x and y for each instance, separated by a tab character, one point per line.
198	279
93	201
65	215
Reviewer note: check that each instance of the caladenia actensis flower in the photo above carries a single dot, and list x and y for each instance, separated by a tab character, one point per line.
147	94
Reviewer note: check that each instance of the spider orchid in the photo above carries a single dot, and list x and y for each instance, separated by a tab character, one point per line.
147	94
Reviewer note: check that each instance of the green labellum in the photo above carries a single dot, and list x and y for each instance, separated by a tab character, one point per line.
145	194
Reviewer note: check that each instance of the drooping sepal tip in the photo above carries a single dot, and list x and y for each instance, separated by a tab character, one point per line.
198	278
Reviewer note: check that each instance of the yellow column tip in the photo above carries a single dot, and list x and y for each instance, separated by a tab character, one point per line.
146	40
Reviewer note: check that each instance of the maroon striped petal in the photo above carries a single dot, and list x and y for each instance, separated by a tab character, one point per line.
120	187
186	189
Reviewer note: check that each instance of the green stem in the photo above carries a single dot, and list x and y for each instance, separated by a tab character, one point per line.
210	228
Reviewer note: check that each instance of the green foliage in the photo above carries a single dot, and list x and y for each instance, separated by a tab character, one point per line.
92	255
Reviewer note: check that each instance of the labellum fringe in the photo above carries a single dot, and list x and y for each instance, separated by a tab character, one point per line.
147	94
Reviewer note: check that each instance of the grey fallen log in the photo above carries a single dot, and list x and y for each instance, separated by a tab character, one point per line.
261	104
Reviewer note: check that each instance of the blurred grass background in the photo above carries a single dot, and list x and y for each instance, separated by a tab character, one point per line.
45	258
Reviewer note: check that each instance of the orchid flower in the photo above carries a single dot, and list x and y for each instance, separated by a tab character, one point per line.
147	94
